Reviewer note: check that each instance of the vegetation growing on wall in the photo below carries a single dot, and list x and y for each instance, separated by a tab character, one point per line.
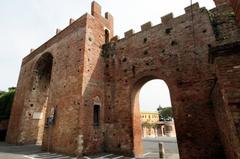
214	23
6	100
107	50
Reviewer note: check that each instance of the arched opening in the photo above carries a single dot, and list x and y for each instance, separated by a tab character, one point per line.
39	96
43	70
96	115
153	120
106	35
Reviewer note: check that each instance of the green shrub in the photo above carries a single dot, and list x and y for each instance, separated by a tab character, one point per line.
6	100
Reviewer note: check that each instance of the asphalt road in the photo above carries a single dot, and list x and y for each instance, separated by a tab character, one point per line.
150	145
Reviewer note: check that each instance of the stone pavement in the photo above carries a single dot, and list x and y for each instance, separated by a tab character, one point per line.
150	145
151	150
8	151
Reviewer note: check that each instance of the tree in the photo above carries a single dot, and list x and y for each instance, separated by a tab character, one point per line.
1	92
6	100
147	125
165	113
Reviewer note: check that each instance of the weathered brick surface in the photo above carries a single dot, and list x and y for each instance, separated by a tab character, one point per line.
86	72
167	52
66	48
235	5
224	24
227	65
76	54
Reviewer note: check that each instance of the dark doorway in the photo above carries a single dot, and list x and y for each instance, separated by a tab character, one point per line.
96	115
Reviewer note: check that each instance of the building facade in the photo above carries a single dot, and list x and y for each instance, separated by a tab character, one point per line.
153	127
78	93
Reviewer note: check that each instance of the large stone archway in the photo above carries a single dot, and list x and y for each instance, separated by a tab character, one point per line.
194	117
37	101
39	97
136	114
167	51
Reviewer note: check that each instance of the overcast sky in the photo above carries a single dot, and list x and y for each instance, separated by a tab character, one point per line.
26	24
153	94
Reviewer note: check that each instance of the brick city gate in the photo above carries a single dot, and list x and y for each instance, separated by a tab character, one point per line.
94	80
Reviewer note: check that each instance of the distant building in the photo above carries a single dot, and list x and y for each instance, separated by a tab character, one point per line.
152	127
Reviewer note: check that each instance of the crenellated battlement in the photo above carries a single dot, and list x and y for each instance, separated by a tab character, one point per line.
129	33
146	26
58	30
96	11
106	20
115	38
167	19
192	8
71	20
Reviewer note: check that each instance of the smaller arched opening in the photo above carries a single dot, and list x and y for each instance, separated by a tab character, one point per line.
107	36
43	71
39	96
96	112
153	120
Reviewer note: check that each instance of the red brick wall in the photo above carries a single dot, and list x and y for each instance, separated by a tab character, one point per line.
86	72
67	49
165	52
76	81
226	96
235	5
93	80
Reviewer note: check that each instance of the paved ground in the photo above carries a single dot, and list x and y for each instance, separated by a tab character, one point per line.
151	149
33	152
17	152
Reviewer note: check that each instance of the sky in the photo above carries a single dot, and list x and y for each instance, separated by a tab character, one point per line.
28	24
153	94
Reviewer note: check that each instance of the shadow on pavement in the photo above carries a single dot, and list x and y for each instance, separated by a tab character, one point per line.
18	149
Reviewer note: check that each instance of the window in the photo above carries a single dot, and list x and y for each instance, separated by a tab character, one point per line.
106	36
96	115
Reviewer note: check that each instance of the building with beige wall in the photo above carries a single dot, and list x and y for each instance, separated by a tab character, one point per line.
152	127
